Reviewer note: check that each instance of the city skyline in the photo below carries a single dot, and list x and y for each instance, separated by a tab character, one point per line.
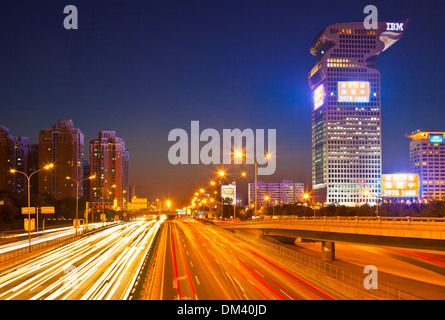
225	65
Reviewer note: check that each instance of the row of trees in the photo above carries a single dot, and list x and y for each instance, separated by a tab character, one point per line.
433	208
10	210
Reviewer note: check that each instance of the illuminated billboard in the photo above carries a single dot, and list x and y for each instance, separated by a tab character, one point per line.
436	138
318	97
353	91
228	191
400	185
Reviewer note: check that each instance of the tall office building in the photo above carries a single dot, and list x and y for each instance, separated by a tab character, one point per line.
109	162
25	160
19	154
61	145
286	192
7	146
427	159
346	111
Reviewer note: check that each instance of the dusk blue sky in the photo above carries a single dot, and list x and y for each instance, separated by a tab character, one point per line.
143	68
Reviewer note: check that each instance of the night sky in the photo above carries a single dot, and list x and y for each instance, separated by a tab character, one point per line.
143	68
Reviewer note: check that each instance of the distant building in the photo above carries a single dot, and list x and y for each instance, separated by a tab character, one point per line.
17	153
61	145
427	159
7	146
240	200
109	162
286	192
132	192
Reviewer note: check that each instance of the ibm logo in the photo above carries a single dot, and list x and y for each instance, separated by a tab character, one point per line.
392	26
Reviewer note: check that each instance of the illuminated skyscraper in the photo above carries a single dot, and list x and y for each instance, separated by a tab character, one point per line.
16	153
63	147
427	159
346	112
109	163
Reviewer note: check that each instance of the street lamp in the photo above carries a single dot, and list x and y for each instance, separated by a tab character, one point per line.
242	175
306	198
239	154
77	194
366	193
157	200
29	200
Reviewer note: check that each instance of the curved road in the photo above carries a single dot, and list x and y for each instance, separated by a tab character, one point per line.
202	263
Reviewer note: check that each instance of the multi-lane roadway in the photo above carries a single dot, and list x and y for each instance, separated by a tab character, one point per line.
202	263
101	266
197	261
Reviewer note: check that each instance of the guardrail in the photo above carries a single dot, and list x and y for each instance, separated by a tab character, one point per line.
11	254
34	247
383	291
357	219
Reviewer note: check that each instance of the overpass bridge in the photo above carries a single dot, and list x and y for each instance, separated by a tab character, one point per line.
408	232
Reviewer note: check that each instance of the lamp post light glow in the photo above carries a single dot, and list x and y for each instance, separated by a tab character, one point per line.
368	193
77	196
306	198
28	177
239	154
242	175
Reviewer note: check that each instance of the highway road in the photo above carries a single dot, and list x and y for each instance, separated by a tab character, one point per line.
202	263
103	266
20	240
416	271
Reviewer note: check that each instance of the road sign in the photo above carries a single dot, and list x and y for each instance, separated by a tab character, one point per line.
138	204
102	217
47	210
28	226
32	210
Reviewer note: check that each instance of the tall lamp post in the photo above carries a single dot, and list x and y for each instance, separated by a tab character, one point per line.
366	193
242	175
28	177
77	194
239	154
267	203
306	198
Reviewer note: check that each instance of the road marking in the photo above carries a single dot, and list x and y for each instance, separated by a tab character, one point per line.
287	294
191	263
196	277
176	280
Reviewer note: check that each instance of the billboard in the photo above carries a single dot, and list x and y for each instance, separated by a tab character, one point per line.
318	97
400	185
436	138
353	91
229	191
137	204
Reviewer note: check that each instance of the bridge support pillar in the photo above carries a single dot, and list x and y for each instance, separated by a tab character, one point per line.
327	251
